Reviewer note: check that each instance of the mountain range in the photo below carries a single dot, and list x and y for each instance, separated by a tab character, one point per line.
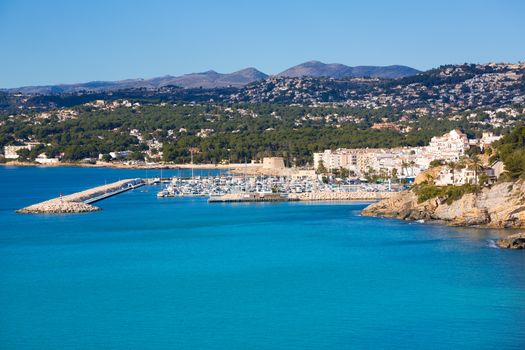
212	79
337	70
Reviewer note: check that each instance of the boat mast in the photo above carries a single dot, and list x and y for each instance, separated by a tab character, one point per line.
191	151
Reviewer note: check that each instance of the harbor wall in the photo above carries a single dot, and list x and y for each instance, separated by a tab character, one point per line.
339	196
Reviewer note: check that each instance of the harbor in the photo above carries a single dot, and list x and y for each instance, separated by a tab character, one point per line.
239	188
222	188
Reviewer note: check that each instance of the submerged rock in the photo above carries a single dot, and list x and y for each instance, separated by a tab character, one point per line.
516	241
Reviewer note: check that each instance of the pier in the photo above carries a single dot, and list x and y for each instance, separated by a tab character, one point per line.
81	202
250	197
341	196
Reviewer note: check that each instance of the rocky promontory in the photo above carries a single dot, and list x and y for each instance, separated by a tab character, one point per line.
500	206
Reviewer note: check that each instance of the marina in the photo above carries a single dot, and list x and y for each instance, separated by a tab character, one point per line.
289	188
218	189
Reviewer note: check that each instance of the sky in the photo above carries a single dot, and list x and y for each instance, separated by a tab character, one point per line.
71	41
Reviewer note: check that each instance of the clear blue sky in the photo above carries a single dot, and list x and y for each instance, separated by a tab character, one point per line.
49	42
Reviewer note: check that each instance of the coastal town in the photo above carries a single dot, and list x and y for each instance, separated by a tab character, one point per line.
358	164
435	134
409	162
341	174
266	174
293	117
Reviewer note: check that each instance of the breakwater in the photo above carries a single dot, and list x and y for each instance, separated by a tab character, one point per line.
339	196
81	202
250	197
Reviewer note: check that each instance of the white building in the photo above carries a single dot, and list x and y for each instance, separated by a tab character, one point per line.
119	154
487	139
449	147
11	152
407	161
449	176
44	159
340	158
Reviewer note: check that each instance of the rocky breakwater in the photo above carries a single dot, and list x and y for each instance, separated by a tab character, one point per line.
501	206
55	206
75	203
340	196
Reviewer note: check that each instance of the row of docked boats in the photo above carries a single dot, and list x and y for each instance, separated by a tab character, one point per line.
213	186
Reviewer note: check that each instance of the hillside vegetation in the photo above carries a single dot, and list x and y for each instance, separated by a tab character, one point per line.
511	150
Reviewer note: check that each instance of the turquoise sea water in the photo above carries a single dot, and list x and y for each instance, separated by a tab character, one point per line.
148	273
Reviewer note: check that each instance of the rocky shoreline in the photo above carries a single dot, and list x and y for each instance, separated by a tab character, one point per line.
501	206
516	241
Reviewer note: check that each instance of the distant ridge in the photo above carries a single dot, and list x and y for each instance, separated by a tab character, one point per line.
211	79
337	70
206	80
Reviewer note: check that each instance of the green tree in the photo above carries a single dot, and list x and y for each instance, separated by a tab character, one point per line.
511	150
321	169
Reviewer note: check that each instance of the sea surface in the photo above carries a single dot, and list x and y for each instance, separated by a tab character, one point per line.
171	273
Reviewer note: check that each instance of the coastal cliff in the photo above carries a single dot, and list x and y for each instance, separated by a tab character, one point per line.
501	206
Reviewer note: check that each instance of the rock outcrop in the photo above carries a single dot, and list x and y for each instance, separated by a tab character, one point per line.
501	206
516	241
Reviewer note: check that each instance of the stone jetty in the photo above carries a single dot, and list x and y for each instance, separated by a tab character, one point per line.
340	196
250	197
80	202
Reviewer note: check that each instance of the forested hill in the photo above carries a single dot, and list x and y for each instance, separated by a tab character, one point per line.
291	117
444	90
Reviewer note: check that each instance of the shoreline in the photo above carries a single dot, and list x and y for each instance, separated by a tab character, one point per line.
501	206
122	166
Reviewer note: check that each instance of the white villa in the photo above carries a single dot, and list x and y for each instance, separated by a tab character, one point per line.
449	147
44	159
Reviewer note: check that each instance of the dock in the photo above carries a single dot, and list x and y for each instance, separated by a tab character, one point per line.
81	202
341	196
250	197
